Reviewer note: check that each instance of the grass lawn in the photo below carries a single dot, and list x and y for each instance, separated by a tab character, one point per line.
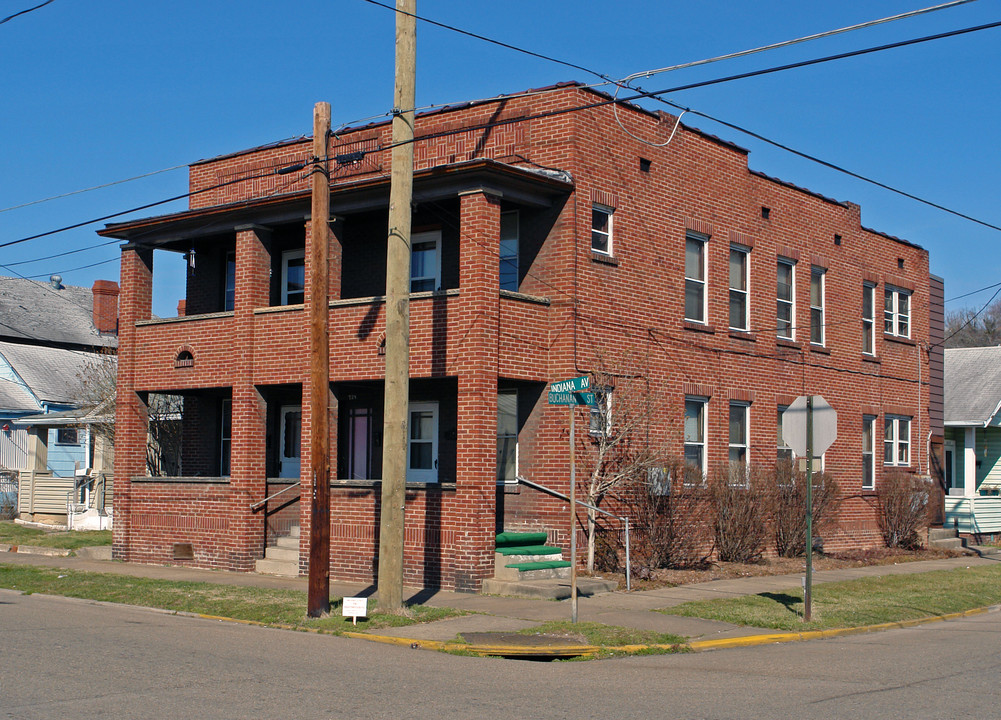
854	603
286	608
13	534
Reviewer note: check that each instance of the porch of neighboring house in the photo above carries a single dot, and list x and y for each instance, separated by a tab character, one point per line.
973	481
69	467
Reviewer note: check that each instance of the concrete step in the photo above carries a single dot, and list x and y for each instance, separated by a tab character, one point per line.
277	567
941	534
283	554
516	575
294	531
954	543
552	589
287	541
985	550
501	561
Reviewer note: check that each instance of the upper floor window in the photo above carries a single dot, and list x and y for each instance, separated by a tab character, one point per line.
817	276
897	312
695	276
869	319
738	288
601	413
229	283
897	440
425	261
785	299
601	229
509	250
293	277
695	433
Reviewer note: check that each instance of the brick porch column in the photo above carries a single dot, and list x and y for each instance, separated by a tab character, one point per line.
135	303
248	456
477	363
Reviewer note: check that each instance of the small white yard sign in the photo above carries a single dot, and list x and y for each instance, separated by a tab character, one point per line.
354	608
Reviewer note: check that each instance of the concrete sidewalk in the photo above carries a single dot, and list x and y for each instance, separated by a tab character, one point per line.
501	615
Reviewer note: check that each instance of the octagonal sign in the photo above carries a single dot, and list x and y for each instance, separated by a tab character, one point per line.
825	426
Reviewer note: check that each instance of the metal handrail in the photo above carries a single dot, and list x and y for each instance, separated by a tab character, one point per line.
625	520
261	503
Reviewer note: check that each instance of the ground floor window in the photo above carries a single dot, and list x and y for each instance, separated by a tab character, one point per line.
868	452
695	433
897	440
507	436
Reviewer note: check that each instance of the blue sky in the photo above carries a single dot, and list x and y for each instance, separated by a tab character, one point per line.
99	91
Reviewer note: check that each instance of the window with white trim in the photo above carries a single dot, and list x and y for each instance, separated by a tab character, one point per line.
601	229
294	277
508	250
817	276
738	431
868	452
785	289
507	436
695	433
869	319
425	261
695	276
783	452
739	256
897	312
601	413
897	440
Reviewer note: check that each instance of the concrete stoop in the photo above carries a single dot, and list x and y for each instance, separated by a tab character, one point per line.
547	589
945	539
282	558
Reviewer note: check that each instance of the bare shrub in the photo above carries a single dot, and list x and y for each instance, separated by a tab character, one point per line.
902	502
738	508
787	506
669	522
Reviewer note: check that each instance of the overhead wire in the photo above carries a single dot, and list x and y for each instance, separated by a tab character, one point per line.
25	12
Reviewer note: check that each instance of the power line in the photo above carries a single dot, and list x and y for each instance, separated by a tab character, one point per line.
24	12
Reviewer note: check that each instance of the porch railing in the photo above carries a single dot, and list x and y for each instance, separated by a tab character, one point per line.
269	511
561	496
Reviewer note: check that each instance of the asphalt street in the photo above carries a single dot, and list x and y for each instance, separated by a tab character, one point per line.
71	658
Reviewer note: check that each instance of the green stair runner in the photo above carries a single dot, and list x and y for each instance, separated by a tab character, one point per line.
540	565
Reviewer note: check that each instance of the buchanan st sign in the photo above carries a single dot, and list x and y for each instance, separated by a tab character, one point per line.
571	392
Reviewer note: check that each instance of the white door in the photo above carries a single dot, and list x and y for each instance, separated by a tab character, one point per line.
291	432
422	445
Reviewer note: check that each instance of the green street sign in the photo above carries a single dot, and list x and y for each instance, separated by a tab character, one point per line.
572	385
572	398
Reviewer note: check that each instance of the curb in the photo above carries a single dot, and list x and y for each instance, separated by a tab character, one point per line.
34	550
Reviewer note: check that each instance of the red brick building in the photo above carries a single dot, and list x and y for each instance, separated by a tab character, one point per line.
548	243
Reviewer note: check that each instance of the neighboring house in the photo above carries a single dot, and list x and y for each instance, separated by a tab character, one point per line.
972	459
51	338
548	243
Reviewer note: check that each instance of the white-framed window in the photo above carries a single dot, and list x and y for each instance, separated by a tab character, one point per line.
785	299
897	312
293	277
897	440
422	445
869	319
868	452
229	282
817	278
600	424
783	453
509	250
601	229
695	432
739	306
425	261
738	431
507	436
695	276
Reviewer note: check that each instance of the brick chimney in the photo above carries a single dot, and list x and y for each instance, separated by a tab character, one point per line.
182	307
105	306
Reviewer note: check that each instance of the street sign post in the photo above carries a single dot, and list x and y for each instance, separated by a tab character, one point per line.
809	427
572	393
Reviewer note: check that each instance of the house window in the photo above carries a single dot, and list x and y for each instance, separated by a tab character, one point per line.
783	453
422	445
225	436
738	288
425	261
67	436
868	452
359	446
509	250
869	319
294	277
738	435
229	283
695	433
601	413
290	441
784	299
695	277
601	229
507	436
897	440
897	312
817	305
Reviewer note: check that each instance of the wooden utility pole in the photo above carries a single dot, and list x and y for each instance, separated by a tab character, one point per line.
318	601
394	449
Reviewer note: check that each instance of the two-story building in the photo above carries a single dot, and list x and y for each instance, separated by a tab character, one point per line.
548	243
